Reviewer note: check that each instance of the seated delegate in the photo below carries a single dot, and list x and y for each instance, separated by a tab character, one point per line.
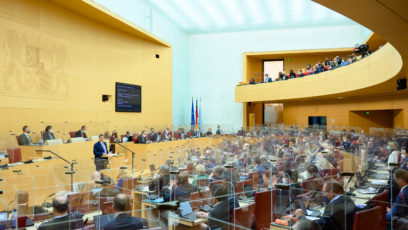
339	211
48	134
24	138
123	220
61	219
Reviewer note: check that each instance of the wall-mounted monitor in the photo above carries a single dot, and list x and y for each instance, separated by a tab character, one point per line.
128	98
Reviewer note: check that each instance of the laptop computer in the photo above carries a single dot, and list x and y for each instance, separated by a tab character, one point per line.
102	220
306	212
186	211
3	216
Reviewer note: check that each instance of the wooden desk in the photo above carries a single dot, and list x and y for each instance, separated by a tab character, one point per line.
279	227
158	153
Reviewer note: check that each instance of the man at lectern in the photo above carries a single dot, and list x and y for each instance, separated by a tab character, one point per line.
100	151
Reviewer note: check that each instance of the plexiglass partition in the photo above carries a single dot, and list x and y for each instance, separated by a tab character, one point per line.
251	177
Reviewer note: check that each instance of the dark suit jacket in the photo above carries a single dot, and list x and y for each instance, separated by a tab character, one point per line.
23	140
48	136
141	139
98	149
218	132
79	134
124	221
153	137
71	221
223	212
181	193
198	134
157	185
338	214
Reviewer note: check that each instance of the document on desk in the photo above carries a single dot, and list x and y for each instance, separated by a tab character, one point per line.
312	218
378	182
369	190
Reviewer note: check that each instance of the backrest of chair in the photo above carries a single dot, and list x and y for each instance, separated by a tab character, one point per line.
263	209
203	183
313	184
72	134
243	217
254	177
22	222
14	155
195	200
380	200
121	138
368	219
129	184
18	139
42	216
217	182
190	168
107	207
176	135
74	201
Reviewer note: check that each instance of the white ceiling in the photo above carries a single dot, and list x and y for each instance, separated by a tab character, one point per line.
206	16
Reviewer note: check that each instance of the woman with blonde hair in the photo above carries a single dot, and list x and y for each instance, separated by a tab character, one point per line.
120	177
200	174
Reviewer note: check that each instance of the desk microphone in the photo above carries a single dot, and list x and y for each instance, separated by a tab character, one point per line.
47	204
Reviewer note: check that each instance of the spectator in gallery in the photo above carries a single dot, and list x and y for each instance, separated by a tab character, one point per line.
252	81
309	68
267	78
219	131
152	135
292	74
327	62
300	73
209	132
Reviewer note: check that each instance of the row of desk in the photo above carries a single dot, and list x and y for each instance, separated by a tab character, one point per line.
44	177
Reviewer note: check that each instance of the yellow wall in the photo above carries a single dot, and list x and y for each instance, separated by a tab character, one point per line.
339	111
55	65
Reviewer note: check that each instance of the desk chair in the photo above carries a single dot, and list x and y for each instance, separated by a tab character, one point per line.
239	187
18	139
107	207
197	199
217	182
369	219
265	202
203	183
254	177
244	217
14	155
381	200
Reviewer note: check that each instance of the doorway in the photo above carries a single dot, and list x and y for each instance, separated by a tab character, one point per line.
272	68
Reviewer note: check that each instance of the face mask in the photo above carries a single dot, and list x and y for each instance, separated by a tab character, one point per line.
285	180
84	131
326	200
403	156
29	131
308	175
51	131
388	148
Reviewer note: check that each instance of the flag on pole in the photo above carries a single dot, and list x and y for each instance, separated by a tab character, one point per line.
200	117
197	115
192	113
